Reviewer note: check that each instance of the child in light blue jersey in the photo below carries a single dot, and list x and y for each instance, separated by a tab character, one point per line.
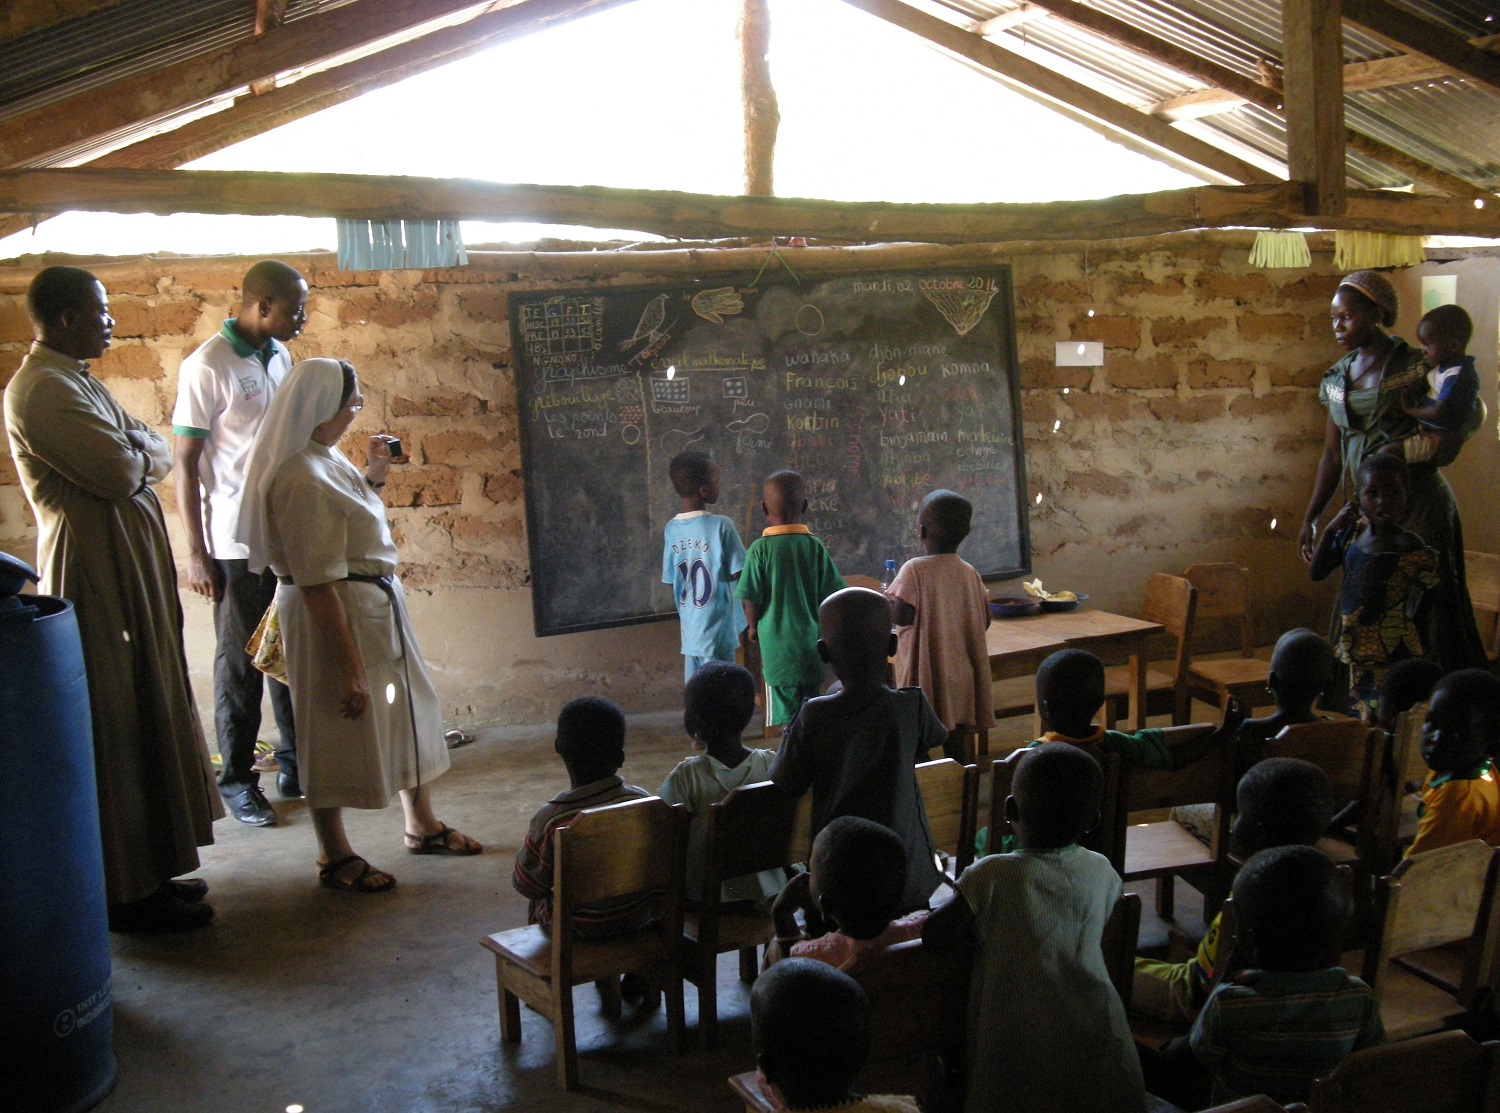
702	558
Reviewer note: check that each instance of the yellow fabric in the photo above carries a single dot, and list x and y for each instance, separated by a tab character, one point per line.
778	531
1457	811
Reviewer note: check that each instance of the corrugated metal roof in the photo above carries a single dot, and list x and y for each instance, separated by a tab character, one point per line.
136	37
1450	123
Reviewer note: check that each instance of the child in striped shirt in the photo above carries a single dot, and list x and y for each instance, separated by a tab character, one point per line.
1295	1014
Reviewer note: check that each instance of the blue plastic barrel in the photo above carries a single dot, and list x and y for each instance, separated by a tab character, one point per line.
57	1022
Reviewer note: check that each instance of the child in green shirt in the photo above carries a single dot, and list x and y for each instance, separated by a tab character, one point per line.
788	573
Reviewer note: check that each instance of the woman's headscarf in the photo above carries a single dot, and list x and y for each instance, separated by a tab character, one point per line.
306	398
1377	287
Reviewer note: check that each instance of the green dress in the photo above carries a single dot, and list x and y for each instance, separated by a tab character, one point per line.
1370	419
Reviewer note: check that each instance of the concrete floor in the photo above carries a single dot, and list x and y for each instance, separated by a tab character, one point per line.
299	996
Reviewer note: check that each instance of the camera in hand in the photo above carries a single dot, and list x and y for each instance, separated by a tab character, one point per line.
395	446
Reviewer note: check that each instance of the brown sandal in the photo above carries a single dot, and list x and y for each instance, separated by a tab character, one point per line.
438	843
367	880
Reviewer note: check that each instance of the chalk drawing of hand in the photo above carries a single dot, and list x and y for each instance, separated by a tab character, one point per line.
755	423
715	305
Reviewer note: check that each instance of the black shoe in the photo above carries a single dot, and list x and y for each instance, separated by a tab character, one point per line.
160	912
250	805
190	889
287	786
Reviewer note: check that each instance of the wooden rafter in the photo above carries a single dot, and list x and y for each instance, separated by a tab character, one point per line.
19	18
1313	44
1014	67
1240	89
1026	13
669	213
762	115
90	115
1428	39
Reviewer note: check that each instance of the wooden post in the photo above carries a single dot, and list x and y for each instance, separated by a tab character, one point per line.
1312	37
762	116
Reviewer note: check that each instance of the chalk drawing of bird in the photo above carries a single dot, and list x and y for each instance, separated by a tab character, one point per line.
650	323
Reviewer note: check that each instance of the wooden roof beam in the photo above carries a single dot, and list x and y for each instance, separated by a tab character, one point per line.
1026	13
1313	44
1423	37
669	213
1119	116
19	18
130	101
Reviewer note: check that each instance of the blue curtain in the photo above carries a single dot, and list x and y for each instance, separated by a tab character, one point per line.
372	245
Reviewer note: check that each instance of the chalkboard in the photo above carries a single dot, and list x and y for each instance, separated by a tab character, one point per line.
876	387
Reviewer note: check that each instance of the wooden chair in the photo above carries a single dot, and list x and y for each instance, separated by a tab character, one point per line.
1108	838
863	581
1482	575
1224	596
1446	1072
1351	753
950	796
1165	849
1122	931
750	830
602	854
1173	602
1434	939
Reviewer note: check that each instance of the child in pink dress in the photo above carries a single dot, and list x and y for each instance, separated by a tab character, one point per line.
942	609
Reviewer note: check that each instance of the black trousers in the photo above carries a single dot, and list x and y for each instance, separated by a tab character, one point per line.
238	684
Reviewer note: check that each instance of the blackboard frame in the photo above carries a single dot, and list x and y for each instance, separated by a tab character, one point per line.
1003	306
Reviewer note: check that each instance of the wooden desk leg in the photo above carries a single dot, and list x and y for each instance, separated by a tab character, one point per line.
1137	690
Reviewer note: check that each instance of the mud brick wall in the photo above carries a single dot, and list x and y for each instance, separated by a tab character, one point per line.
1200	428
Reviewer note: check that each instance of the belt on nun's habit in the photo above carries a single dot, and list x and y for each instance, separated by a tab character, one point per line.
387	584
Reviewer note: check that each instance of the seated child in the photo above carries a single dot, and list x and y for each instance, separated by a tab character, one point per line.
1069	693
720	700
852	888
1406	684
810	1028
1461	800
1389	575
788	573
701	559
591	743
1294	1014
1046	1029
1281	802
857	749
1301	670
1451	404
942	608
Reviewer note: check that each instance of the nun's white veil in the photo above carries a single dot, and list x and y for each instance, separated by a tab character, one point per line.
306	398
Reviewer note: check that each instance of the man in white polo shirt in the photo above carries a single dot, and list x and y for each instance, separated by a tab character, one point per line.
223	391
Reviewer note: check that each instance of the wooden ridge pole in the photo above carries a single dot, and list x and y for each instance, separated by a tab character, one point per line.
762	114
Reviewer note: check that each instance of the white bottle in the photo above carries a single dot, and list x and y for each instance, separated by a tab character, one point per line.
889	576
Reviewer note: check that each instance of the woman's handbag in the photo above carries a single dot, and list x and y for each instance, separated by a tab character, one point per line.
264	645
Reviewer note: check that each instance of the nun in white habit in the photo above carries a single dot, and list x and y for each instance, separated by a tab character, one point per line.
369	724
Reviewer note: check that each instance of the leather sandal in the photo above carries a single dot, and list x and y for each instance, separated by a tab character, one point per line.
367	880
438	843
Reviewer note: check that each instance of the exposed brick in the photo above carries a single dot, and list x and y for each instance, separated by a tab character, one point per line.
1232	521
424	487
1209	373
1281	326
15	325
1130	373
466	528
1111	408
129	361
1317	289
135	316
1099	483
1175	330
1038	408
1277	404
1043	372
387	309
1212	285
1114	332
1170	287
441	405
484	305
461	447
504	488
1180	411
1306	375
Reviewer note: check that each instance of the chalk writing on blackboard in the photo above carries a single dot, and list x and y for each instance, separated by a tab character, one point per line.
877	387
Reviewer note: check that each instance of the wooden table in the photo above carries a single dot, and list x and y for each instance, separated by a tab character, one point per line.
1085	628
